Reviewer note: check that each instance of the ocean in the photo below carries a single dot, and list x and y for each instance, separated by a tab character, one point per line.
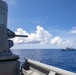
55	57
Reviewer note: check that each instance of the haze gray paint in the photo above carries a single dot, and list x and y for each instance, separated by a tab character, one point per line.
9	64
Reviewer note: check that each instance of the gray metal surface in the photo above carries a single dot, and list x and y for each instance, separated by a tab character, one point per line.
9	64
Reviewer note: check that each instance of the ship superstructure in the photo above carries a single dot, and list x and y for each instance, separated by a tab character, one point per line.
9	64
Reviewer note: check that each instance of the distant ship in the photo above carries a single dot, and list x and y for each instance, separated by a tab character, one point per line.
68	49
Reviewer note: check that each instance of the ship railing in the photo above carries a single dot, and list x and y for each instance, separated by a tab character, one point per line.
50	69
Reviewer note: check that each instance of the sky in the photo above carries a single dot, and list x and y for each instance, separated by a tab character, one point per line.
48	23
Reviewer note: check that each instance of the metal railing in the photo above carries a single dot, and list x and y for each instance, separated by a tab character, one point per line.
49	68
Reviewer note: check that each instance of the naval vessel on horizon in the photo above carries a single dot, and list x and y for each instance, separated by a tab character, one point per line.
9	63
68	49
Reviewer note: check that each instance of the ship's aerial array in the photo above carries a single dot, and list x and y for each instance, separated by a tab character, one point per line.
9	62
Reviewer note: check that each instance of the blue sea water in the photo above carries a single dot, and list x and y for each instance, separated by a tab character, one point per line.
55	57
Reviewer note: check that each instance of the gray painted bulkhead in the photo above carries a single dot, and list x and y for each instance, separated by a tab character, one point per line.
9	64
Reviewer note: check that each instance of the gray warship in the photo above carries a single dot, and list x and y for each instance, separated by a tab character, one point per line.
9	62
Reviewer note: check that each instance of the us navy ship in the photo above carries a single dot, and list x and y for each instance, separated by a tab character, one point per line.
9	63
68	49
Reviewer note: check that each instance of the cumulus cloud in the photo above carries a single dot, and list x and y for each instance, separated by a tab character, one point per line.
43	34
56	40
61	42
40	36
68	43
20	32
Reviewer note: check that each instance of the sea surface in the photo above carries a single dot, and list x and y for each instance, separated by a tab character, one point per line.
55	57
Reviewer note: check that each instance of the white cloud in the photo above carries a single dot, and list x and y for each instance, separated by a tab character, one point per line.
11	2
56	40
73	31
43	35
68	43
40	36
20	32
